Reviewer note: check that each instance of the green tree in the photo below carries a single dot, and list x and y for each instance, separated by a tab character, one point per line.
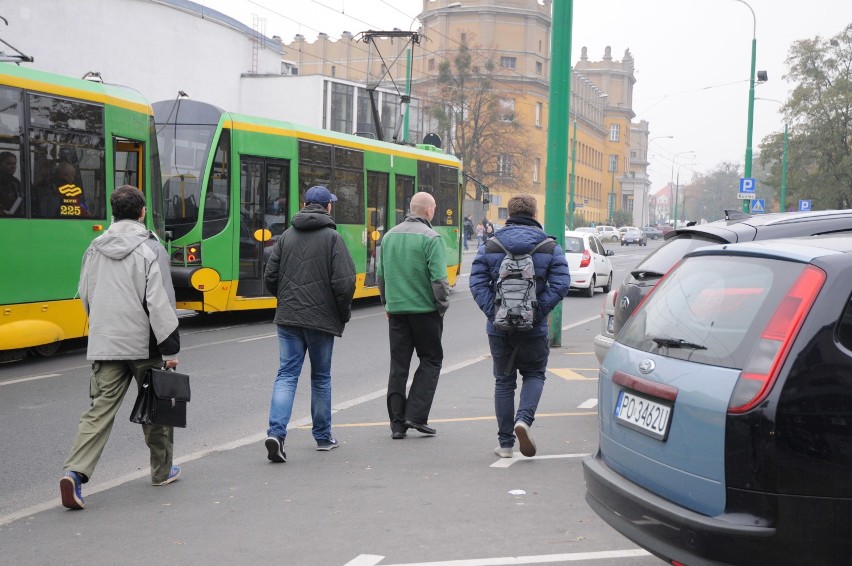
707	196
479	125
819	117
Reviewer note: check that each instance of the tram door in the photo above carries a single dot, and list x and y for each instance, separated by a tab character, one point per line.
128	162
377	221
264	215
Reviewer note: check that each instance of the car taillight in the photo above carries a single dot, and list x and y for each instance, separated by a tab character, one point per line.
587	259
771	350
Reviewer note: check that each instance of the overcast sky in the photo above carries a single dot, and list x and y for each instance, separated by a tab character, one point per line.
692	59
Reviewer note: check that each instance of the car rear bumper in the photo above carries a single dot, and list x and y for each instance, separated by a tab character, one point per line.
602	346
666	529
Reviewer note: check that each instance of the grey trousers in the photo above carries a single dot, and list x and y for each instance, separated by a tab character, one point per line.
109	382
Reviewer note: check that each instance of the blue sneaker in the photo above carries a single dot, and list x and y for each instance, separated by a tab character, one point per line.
174	475
326	445
71	490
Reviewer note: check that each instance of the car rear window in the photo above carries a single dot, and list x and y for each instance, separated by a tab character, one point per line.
673	250
714	307
573	245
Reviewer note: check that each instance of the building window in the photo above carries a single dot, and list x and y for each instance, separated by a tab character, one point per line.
507	109
464	38
333	71
432	64
504	166
614	132
342	97
613	163
502	213
539	107
508	62
536	169
539	68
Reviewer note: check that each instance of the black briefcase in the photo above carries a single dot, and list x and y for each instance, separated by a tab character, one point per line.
162	398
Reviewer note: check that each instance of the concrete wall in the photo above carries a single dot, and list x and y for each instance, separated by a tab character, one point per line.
160	48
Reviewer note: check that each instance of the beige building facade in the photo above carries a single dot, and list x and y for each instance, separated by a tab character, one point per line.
515	36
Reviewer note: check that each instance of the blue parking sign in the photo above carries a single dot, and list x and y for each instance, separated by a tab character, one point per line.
805	205
747	185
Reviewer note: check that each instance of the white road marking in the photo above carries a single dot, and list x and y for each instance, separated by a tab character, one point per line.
589	404
580	322
257	338
33	378
506	462
374	560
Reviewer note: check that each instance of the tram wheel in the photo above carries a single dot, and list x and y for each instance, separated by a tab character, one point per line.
46	350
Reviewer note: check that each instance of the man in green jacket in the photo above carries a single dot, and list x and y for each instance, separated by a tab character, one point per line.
412	278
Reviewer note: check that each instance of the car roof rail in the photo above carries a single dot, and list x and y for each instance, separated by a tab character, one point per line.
735	215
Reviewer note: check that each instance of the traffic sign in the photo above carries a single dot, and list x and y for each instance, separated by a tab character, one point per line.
747	185
805	205
758	206
746	196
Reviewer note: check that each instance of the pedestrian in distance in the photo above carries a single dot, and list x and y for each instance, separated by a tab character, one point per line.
126	290
480	235
412	279
524	351
468	230
312	274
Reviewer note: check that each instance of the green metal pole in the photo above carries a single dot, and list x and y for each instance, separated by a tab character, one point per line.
571	203
407	93
557	140
784	173
747	175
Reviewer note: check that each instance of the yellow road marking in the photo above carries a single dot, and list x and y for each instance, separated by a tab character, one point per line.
571	375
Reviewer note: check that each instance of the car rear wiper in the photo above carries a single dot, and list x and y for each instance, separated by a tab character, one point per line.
676	343
645	274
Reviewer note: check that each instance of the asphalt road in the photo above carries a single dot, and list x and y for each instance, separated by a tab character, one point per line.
446	500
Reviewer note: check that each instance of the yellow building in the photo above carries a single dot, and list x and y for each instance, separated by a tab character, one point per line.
515	35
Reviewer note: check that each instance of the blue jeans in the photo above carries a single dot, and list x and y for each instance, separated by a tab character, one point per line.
292	344
512	354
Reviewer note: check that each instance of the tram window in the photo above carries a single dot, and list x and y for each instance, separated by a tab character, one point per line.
67	159
310	175
446	197
12	195
314	153
217	201
404	192
349	189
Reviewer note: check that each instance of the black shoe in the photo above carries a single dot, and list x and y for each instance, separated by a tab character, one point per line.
396	435
423	428
275	449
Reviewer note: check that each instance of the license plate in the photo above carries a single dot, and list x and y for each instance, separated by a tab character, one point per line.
610	322
643	414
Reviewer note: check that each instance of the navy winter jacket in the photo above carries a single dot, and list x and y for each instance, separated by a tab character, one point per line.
551	272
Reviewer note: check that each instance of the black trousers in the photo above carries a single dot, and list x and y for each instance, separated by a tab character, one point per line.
411	333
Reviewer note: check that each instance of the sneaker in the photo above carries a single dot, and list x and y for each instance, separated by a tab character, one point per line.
275	449
504	451
326	445
522	431
71	490
174	475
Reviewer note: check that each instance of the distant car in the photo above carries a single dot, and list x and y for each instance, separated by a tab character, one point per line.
652	232
738	227
588	262
607	233
725	409
634	236
588	229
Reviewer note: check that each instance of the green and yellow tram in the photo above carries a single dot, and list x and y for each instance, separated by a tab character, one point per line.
65	144
232	182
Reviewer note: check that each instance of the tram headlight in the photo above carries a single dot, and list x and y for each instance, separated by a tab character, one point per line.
187	255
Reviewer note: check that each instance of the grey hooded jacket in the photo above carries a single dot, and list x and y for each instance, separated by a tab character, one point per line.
126	289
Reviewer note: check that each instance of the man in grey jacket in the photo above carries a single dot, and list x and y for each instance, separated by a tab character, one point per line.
127	292
313	276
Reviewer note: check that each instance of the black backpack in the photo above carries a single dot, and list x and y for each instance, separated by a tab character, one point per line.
515	297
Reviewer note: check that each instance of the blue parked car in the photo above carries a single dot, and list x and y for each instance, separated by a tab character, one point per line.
725	409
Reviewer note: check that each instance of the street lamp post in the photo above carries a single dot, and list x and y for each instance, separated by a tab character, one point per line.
748	154
677	187
645	194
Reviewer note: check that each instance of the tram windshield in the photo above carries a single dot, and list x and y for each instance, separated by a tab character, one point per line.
185	131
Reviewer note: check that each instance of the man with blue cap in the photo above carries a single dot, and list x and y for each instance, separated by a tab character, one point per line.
312	274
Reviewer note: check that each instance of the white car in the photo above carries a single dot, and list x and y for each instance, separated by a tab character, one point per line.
608	233
603	341
588	262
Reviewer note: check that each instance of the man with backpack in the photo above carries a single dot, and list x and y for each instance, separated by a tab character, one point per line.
517	278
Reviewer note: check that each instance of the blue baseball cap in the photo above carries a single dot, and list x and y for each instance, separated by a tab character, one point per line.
319	195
